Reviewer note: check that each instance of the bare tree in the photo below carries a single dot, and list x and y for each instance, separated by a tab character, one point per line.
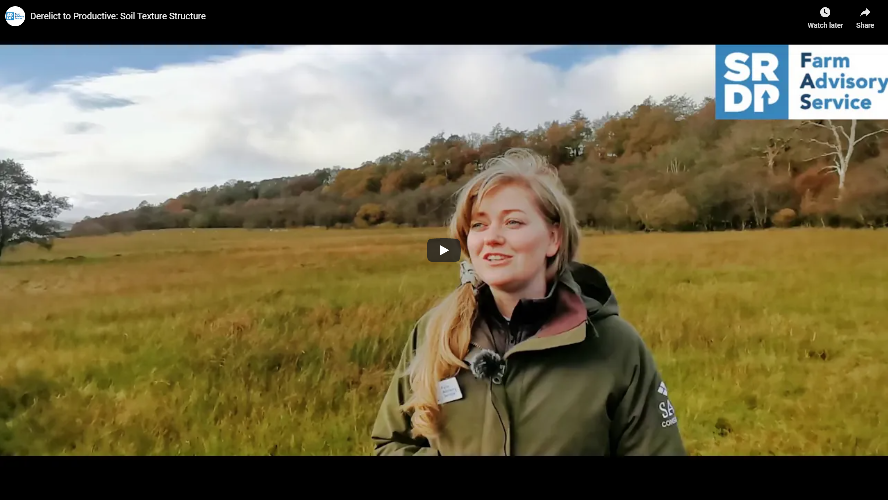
841	155
774	147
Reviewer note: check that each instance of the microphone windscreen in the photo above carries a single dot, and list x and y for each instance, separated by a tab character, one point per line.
486	365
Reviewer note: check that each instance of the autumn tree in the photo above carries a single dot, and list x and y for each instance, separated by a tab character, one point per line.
26	215
841	146
370	215
670	211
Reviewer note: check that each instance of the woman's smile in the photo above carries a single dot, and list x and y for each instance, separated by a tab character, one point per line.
497	259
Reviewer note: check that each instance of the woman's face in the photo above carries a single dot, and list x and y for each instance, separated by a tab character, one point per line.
509	240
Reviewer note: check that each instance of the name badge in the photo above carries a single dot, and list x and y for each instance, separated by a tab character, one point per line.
448	391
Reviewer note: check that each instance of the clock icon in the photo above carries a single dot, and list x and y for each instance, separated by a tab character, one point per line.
825	12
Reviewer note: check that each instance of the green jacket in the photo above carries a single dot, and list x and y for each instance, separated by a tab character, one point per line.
578	382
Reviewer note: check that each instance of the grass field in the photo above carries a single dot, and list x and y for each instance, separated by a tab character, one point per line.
281	342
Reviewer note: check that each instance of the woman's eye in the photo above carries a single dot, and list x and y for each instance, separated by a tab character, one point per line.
475	226
513	222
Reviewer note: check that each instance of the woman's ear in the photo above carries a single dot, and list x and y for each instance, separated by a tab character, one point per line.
555	241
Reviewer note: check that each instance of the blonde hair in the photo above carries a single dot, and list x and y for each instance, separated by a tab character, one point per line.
449	329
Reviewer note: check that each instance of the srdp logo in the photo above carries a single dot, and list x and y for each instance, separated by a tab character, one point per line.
751	82
15	16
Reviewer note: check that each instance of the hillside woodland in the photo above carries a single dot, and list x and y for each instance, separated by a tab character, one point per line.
667	166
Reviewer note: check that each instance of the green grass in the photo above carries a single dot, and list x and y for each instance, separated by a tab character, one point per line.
282	342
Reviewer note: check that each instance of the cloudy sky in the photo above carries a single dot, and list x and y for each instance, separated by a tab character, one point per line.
111	126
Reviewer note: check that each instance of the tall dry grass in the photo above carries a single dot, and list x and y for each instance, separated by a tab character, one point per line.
281	342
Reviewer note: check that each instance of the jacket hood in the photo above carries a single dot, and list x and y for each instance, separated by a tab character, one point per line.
592	287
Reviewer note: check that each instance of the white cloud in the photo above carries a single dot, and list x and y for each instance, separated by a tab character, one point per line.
106	140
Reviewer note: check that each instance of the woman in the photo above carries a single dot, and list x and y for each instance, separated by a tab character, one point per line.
528	356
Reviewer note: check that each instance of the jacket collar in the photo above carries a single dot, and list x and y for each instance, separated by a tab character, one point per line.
527	312
558	319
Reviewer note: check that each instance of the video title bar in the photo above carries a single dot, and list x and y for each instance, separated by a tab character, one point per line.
766	23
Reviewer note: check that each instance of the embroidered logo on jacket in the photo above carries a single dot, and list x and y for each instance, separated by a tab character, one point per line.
666	408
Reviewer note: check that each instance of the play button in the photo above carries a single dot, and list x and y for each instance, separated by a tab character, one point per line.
443	250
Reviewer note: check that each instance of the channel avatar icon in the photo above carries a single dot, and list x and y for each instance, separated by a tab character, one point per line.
15	16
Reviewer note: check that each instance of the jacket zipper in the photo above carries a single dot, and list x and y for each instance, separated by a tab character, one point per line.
497	379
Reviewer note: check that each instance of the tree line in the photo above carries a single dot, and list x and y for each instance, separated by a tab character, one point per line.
660	166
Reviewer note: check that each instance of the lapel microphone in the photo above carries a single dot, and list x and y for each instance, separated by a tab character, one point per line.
487	365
